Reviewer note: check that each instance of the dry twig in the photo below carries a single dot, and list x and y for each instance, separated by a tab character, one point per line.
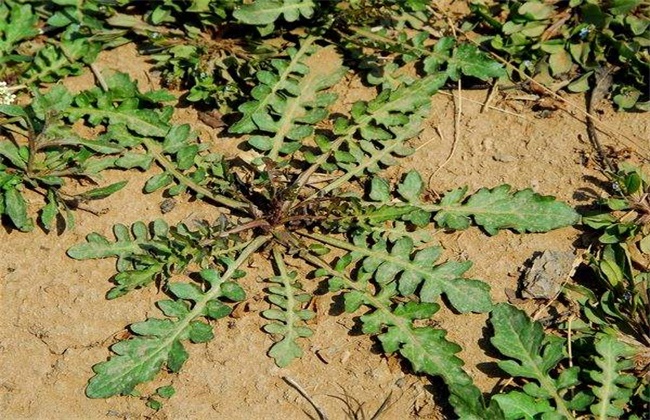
458	101
295	385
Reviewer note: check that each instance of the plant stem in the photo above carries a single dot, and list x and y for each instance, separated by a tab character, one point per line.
33	148
6	124
154	149
250	225
218	253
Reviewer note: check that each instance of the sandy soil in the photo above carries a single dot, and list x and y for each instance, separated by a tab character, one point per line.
56	322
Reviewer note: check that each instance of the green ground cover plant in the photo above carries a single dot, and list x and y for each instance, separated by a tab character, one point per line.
314	190
564	44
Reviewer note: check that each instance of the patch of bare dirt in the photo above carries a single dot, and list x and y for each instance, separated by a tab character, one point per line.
56	322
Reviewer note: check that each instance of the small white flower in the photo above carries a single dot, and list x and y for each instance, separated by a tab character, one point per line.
6	95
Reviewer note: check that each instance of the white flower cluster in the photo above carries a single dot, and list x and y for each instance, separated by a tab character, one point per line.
6	97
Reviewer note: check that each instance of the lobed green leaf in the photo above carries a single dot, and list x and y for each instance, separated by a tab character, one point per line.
290	315
264	12
531	355
159	341
500	208
615	385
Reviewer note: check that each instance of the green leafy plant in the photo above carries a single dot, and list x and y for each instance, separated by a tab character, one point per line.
18	25
44	41
47	150
620	261
601	381
416	46
293	208
562	44
310	186
212	62
599	368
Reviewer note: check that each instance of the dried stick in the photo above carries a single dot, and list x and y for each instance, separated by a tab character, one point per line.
301	391
603	83
98	75
458	101
493	90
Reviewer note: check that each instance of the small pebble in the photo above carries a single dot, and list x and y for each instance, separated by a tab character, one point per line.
167	205
502	157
